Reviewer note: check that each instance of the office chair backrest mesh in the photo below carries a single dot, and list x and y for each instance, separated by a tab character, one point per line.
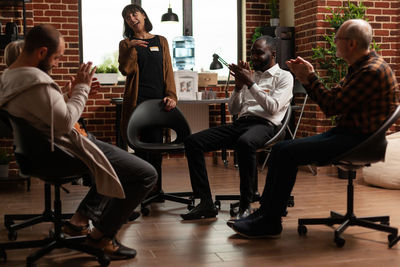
151	114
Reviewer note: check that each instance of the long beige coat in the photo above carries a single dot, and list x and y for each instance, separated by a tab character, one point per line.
31	94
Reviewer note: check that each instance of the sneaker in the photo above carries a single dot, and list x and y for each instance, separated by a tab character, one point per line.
73	230
250	216
201	211
111	247
260	227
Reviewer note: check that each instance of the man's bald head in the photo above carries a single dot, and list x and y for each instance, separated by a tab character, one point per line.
358	30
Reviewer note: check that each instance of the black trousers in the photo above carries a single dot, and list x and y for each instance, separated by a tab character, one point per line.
246	135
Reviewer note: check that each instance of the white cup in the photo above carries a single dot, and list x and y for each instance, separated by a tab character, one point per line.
199	95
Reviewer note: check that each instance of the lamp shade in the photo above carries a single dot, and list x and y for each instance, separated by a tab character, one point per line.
215	64
169	16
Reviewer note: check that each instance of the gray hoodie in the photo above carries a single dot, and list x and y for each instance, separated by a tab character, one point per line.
31	94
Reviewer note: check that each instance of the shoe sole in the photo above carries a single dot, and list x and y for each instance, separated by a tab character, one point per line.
259	236
202	218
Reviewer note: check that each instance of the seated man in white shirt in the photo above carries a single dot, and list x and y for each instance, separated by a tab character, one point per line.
260	100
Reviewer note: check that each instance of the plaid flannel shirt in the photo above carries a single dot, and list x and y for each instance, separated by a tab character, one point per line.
363	99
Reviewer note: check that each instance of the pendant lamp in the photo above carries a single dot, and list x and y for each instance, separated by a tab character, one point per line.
169	16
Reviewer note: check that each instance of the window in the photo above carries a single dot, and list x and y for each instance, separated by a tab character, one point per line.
214	31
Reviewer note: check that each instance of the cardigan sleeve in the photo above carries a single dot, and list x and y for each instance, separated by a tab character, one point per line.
169	81
127	57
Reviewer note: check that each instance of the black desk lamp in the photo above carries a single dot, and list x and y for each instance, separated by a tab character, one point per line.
215	65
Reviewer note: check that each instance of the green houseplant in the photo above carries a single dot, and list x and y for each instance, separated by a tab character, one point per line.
5	159
107	73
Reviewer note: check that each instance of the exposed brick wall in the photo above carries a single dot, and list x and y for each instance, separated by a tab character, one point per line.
310	26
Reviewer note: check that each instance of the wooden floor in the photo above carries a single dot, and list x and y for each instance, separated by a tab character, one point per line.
162	239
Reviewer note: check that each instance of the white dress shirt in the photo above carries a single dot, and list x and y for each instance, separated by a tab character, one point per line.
268	98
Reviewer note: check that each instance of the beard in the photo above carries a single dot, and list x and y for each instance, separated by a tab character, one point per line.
44	65
262	65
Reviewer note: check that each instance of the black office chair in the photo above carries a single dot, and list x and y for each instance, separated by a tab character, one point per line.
31	219
279	136
151	113
369	151
34	158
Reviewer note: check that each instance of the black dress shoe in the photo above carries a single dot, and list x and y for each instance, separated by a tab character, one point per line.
251	216
201	211
260	227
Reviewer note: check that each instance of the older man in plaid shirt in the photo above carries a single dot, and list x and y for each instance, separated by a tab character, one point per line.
362	101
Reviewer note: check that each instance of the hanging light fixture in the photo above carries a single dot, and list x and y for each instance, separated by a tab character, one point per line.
169	16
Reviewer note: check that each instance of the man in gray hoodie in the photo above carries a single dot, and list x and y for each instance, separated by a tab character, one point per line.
122	180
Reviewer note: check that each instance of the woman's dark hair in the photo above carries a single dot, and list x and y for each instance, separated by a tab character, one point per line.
132	8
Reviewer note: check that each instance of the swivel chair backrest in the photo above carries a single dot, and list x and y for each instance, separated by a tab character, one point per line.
281	130
34	156
372	149
151	114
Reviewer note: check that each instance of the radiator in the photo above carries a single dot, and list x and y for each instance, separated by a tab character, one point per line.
197	116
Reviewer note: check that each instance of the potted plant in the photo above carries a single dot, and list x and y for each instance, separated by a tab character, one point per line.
107	74
273	6
5	158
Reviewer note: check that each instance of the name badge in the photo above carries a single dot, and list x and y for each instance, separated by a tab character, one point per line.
154	48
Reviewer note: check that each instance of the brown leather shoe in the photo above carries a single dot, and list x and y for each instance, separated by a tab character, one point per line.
73	230
111	247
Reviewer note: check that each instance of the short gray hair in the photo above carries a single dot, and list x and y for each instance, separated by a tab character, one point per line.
361	31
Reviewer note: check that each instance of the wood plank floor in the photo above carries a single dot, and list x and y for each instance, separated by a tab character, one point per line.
162	239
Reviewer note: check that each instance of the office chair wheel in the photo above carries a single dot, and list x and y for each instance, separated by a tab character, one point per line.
12	235
391	238
217	204
8	223
3	254
145	211
104	260
339	241
302	230
233	212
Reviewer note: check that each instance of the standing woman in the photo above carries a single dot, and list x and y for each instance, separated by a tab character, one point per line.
145	60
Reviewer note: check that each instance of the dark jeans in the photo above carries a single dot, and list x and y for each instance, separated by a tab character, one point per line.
286	156
152	135
137	178
246	136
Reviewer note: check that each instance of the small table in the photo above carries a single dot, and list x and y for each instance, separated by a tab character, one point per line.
118	110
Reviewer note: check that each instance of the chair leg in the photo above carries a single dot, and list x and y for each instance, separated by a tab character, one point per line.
350	219
56	239
31	219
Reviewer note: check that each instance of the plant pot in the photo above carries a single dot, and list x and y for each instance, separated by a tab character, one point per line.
4	170
274	22
107	78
